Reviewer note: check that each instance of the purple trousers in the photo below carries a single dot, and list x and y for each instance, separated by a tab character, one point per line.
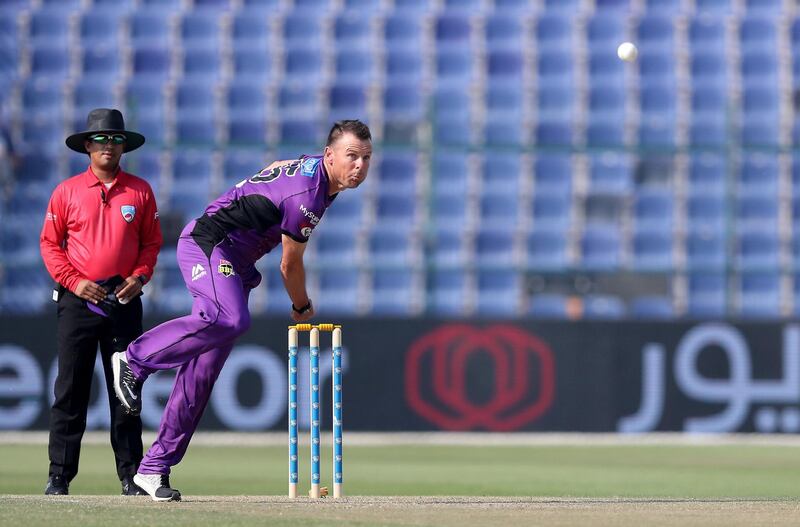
197	344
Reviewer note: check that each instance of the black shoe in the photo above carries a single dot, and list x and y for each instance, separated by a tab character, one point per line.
157	486
57	486
129	488
127	388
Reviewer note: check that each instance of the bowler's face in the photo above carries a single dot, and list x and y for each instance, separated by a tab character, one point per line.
349	159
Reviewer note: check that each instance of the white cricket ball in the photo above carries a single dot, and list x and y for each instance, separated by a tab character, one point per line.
627	51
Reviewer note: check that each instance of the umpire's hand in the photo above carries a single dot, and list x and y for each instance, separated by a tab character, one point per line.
128	289
90	291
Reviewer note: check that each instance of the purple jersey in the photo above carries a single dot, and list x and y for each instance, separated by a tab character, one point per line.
289	199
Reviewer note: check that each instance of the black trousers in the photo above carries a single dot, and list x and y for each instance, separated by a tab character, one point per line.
79	333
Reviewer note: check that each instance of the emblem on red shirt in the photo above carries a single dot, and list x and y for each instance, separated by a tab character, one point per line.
128	212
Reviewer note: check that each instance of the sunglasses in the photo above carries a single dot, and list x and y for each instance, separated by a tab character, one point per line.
104	139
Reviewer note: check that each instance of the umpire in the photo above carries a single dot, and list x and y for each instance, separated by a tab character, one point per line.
100	241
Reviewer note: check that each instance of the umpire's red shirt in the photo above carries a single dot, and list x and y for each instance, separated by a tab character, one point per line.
93	232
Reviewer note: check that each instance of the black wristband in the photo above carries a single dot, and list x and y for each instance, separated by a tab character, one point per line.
302	309
142	279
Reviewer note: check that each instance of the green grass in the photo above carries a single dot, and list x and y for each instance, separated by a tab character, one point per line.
556	485
574	471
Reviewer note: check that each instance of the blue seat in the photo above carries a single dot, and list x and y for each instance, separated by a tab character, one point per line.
714	7
452	30
505	66
49	61
499	293
144	98
393	292
402	102
555	133
335	247
553	174
453	131
546	250
758	251
447	210
707	174
652	251
303	64
652	308
195	130
709	68
263	5
771	7
346	213
354	66
606	132
511	7
300	132
347	101
250	28
403	65
402	30
449	175
707	295
88	95
200	28
247	130
761	100
708	134
654	211
339	292
707	32
600	248
101	62
551	211
448	291
195	97
147	165
391	248
16	247
556	68
504	31
350	30
610	173
606	68
252	64
657	132
150	28
605	29
154	62
245	98
706	212
35	165
365	6
706	251
657	69
761	133
757	213
25	289
166	6
501	174
494	247
398	211
195	166
455	66
603	307
398	173
505	132
759	174
154	127
555	103
202	64
48	27
189	203
607	102
313	6
553	31
299	100
504	100
302	28
760	295
498	210
448	248
100	27
548	306
758	33
240	164
709	101
656	32
760	68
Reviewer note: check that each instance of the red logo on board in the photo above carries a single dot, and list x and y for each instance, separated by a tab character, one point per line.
437	374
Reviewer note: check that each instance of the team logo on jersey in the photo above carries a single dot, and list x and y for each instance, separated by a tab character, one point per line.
309	166
128	212
197	272
225	268
306	230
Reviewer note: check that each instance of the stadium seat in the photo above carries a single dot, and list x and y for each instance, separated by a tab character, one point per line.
392	248
603	307
760	295
447	248
499	293
707	296
548	306
447	292
339	292
652	308
504	31
546	250
495	247
600	248
758	251
706	251
652	251
393	292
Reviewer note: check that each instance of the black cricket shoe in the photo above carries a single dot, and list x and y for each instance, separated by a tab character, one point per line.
56	486
157	486
126	386
129	488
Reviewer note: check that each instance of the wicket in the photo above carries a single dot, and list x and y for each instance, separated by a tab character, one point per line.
336	405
